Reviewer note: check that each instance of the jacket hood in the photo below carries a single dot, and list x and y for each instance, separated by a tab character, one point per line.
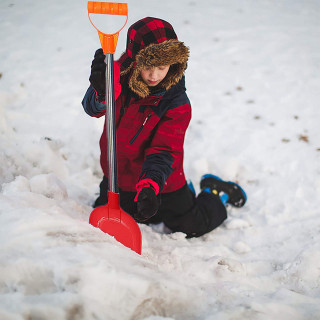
152	42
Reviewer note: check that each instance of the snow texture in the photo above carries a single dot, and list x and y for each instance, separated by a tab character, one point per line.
253	80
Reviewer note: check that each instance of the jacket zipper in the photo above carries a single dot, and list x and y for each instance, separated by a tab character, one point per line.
140	129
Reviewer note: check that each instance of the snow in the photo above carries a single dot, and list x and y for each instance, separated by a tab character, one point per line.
253	80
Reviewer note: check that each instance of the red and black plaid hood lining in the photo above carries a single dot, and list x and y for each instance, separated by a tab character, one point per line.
153	42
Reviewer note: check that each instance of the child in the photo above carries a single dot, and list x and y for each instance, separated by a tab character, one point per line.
152	116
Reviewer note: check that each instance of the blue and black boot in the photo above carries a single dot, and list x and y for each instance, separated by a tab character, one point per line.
229	192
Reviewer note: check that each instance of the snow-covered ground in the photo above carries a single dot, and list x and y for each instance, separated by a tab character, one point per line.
254	83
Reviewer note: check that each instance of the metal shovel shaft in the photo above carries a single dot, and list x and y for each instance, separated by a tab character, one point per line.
110	124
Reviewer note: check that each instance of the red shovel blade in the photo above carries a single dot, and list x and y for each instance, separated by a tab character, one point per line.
111	219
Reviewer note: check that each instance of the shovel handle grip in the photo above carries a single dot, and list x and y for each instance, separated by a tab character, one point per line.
120	9
108	41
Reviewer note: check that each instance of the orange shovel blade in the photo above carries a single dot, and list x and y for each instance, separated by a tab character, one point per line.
111	219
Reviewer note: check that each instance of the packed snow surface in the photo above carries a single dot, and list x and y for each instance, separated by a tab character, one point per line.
254	83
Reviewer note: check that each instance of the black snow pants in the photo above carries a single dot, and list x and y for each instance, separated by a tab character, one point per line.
180	210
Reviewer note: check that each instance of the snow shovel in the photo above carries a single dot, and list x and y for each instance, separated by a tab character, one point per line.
110	218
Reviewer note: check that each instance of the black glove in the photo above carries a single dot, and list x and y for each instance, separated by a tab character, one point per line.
98	75
147	204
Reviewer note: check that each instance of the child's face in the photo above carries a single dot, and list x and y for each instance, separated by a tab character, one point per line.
152	76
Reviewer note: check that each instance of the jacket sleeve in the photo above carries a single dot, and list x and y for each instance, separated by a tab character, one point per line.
91	105
166	149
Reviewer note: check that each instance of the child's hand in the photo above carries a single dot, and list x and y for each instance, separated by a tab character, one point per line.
147	201
147	204
98	75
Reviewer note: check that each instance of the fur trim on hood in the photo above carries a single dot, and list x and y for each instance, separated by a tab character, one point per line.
170	52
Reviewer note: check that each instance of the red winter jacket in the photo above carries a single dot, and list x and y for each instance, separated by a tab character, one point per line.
150	136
